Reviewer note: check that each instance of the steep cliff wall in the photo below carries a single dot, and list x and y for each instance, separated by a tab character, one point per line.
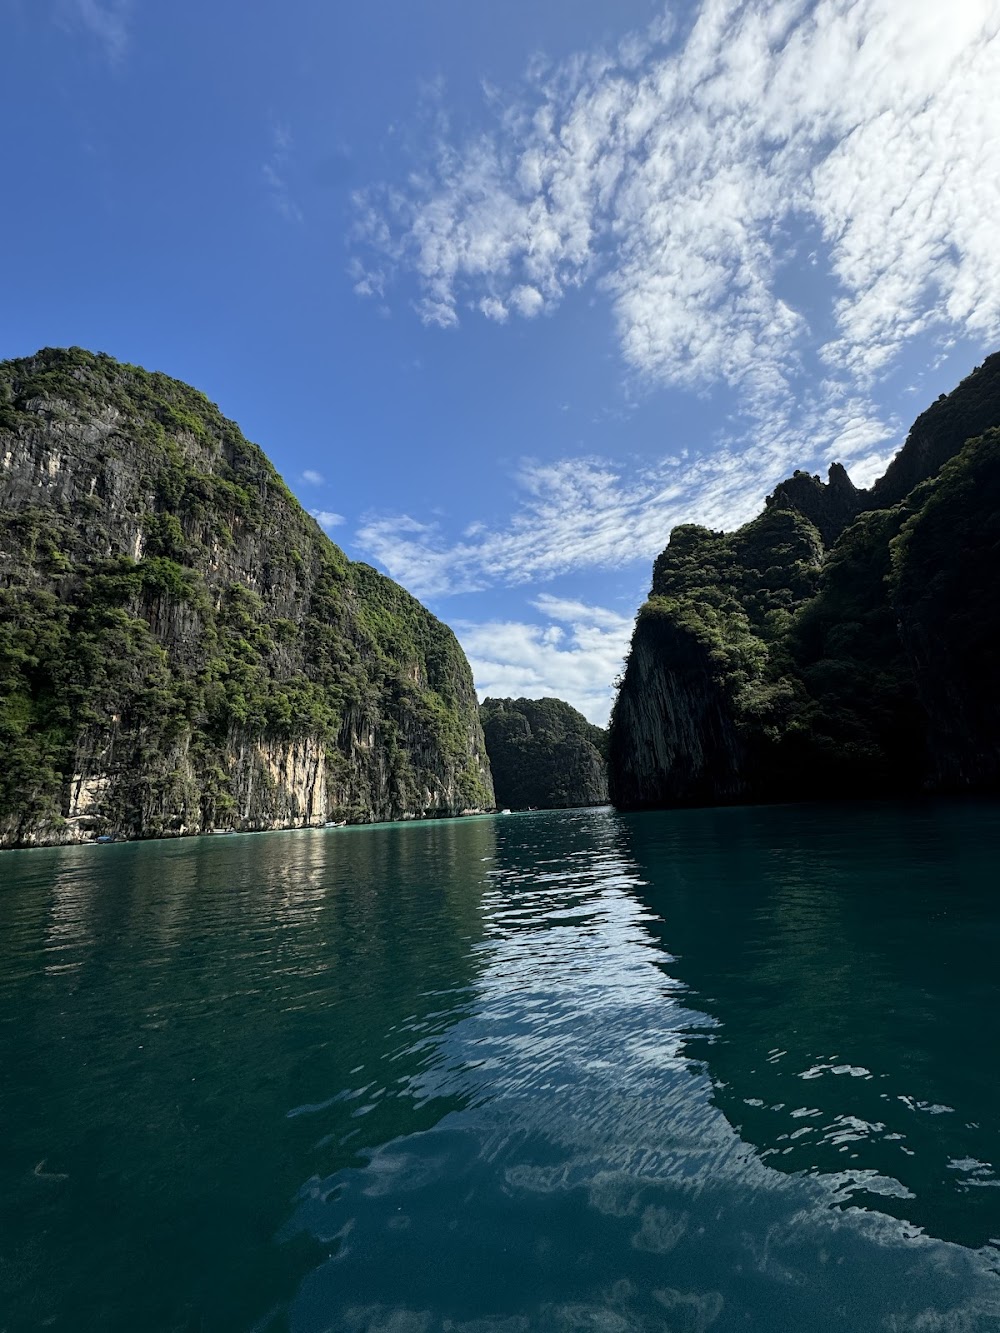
544	754
944	589
844	643
182	648
674	741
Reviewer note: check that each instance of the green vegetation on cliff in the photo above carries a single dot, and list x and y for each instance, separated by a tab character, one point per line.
844	643
544	754
181	646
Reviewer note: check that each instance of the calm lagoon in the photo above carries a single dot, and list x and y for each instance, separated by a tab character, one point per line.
721	1069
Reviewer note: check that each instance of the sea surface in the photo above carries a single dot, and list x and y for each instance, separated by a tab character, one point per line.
709	1070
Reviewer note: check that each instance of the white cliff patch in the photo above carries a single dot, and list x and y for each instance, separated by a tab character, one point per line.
298	771
86	794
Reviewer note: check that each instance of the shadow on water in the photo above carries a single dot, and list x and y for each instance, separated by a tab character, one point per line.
850	956
189	1029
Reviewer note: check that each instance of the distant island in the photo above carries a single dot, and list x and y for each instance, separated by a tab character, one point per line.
182	649
544	754
846	643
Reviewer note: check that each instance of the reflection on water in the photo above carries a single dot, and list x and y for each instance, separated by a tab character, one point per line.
591	1179
853	969
709	1070
163	1008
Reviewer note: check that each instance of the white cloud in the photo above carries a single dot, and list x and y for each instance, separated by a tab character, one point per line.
675	178
574	655
107	21
313	478
493	309
592	513
527	301
327	519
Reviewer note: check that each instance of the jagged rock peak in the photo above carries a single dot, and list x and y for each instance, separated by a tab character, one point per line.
829	505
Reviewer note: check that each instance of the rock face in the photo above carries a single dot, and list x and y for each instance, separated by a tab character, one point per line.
544	754
674	741
844	643
182	648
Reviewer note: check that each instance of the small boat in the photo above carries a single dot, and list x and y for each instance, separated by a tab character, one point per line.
505	812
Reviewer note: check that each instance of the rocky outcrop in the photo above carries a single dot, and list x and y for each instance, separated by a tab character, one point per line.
182	648
845	643
544	754
829	506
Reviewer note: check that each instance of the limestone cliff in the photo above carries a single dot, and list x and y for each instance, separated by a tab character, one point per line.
182	648
544	754
674	741
844	643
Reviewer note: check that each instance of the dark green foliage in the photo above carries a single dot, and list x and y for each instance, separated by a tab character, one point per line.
857	724
945	591
35	722
768	565
828	506
734	594
544	754
166	604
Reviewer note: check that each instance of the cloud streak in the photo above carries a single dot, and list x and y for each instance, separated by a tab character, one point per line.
327	519
594	513
275	175
107	21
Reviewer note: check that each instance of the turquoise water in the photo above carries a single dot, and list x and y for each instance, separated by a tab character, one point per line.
725	1069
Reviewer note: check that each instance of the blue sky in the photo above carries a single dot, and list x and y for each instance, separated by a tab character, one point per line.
505	291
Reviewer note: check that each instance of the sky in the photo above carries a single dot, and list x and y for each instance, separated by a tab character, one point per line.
505	291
